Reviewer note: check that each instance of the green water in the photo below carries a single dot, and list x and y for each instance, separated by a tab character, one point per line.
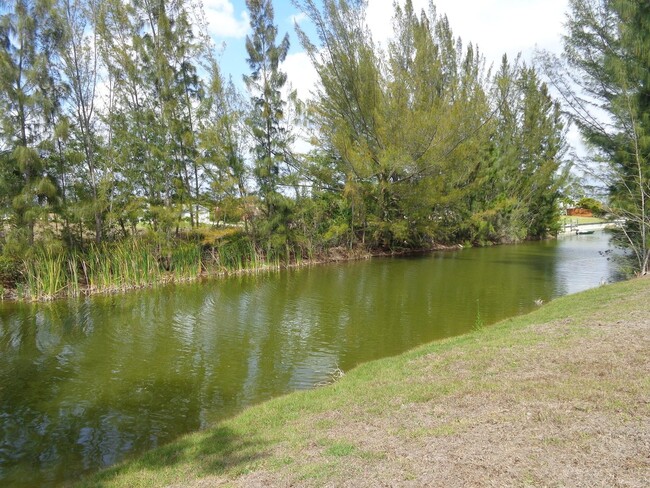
87	383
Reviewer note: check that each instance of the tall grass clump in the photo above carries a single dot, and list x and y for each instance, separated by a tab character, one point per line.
274	256
238	254
47	272
186	260
44	274
73	285
122	265
136	264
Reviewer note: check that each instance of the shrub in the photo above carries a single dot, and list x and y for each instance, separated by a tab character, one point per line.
10	270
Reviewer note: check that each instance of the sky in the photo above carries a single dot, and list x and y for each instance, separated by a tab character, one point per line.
496	26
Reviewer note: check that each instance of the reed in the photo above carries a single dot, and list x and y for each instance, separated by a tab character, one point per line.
45	275
137	263
274	257
128	264
238	255
73	286
186	260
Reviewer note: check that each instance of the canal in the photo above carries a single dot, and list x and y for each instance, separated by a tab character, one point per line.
86	383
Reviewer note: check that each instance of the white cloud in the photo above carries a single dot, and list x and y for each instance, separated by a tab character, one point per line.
222	20
379	16
297	18
496	26
300	73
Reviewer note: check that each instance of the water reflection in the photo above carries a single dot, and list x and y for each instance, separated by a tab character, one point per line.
85	383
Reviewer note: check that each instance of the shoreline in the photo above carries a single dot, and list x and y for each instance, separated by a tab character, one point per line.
557	395
334	255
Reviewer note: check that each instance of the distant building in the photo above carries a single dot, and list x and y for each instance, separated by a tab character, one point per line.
204	216
579	212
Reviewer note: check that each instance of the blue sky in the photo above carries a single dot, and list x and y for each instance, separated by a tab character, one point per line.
497	26
228	23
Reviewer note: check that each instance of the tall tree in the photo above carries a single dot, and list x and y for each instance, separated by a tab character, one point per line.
524	170
29	106
129	138
80	68
271	139
604	78
151	54
541	149
222	138
404	126
347	110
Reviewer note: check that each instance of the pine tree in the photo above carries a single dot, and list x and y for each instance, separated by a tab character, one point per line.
222	137
604	79
79	60
271	138
404	127
29	106
152	56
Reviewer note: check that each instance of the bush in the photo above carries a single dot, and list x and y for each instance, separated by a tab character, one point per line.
592	204
9	270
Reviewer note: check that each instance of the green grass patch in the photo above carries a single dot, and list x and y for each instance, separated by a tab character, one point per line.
319	472
341	449
579	220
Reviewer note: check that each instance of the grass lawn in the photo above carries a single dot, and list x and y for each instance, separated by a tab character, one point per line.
558	397
582	220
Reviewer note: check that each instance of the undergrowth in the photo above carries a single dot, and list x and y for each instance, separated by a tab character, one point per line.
47	273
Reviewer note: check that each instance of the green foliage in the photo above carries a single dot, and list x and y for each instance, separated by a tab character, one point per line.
238	253
265	83
29	104
605	72
414	144
221	142
521	186
45	274
125	265
272	136
186	260
596	207
420	151
50	271
10	270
